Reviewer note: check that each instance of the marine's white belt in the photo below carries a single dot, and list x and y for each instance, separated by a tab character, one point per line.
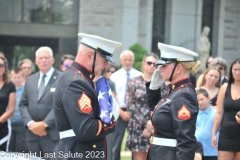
164	142
67	133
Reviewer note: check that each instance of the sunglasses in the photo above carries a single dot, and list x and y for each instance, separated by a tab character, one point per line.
2	65
150	63
67	64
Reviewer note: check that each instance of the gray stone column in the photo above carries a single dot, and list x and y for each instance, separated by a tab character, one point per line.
123	21
182	23
145	24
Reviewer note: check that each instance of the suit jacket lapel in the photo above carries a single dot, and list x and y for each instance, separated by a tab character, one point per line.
35	85
50	82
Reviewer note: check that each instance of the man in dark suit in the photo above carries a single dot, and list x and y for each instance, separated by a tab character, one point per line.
36	105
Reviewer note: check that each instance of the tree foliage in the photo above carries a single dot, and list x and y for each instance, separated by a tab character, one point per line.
139	52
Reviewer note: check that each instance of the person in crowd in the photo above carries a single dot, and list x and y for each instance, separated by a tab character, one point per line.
204	124
36	105
138	134
228	105
18	136
221	64
111	68
212	83
208	64
66	61
27	66
121	78
76	105
199	152
174	117
7	103
107	72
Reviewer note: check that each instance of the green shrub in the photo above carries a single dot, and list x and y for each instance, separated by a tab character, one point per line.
139	53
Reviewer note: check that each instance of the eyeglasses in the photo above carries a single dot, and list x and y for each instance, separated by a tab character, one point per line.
2	65
67	64
110	71
150	63
220	68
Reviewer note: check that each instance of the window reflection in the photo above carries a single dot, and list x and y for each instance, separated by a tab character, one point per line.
37	11
10	10
65	11
40	11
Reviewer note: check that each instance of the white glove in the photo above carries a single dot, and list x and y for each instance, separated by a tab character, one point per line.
156	80
115	109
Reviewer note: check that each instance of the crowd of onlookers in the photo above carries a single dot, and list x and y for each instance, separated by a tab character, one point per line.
217	126
14	134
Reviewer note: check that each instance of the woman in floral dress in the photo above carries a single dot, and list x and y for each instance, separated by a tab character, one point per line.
138	134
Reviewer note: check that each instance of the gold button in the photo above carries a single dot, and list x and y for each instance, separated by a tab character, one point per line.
90	76
173	86
79	72
111	122
105	125
182	85
94	146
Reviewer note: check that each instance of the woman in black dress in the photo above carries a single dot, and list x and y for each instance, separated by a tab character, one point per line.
7	104
228	104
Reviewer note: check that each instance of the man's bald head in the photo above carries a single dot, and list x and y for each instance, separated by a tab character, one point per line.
85	57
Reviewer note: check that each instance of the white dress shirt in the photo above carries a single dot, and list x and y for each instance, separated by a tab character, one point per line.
120	78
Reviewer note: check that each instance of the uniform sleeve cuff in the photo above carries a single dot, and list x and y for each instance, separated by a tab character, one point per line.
110	125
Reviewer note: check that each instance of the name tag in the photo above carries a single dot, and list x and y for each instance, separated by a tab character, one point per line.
52	89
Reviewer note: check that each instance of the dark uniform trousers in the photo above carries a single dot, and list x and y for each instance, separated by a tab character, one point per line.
76	109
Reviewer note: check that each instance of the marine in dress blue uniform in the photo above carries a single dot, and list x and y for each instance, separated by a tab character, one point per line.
174	116
76	108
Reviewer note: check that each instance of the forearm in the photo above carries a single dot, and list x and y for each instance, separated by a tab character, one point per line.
49	120
25	115
217	122
6	115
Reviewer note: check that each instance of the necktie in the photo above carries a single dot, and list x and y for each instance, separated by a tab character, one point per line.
41	86
127	79
128	75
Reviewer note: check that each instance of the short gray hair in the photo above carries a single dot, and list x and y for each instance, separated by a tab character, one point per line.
126	51
221	61
45	48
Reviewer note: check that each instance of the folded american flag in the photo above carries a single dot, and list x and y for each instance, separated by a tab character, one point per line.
104	99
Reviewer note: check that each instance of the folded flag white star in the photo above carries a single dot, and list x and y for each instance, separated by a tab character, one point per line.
104	99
